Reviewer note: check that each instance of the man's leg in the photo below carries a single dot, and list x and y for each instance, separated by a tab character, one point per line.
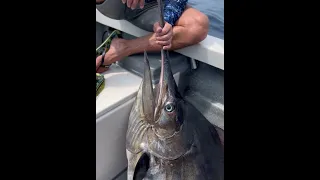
99	1
191	28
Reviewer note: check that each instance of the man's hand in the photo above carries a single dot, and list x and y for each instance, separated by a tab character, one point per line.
163	35
133	3
98	63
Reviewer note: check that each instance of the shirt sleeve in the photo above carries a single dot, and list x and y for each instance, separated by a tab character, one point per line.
173	9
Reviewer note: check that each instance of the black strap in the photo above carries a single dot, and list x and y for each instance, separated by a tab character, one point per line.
103	54
102	61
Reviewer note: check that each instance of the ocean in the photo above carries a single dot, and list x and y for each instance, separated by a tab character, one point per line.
214	9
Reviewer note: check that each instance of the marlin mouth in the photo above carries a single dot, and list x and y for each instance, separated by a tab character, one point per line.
166	84
153	104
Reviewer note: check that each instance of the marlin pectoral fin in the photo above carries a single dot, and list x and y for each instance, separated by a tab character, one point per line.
132	162
221	134
148	103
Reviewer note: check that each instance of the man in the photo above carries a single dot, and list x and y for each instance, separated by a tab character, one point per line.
184	26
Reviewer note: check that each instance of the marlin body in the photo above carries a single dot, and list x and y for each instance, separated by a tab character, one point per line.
178	141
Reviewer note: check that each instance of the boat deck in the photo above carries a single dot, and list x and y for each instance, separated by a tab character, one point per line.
113	106
120	86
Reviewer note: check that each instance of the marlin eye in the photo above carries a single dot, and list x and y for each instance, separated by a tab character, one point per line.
169	107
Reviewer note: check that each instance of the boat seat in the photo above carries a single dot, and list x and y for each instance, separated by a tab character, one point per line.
113	9
179	66
135	64
206	93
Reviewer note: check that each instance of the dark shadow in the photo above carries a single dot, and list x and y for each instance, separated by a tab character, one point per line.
205	91
141	168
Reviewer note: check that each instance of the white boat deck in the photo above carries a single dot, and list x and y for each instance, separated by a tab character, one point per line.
120	86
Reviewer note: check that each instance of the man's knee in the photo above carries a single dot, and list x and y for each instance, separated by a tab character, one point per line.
200	27
196	23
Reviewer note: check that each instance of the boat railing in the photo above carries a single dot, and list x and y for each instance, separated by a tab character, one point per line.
209	51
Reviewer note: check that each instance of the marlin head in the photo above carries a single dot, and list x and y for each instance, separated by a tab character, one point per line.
163	110
168	115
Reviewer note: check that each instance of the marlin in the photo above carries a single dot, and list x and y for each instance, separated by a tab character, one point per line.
168	138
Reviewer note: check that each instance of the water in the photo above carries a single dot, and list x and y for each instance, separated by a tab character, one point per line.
214	9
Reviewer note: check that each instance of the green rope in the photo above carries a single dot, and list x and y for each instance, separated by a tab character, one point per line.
100	83
108	40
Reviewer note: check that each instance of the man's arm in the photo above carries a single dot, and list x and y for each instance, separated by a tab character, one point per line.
173	9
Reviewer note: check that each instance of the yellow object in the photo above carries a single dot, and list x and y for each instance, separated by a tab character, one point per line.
100	83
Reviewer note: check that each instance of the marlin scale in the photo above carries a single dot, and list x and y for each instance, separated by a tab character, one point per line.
167	138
